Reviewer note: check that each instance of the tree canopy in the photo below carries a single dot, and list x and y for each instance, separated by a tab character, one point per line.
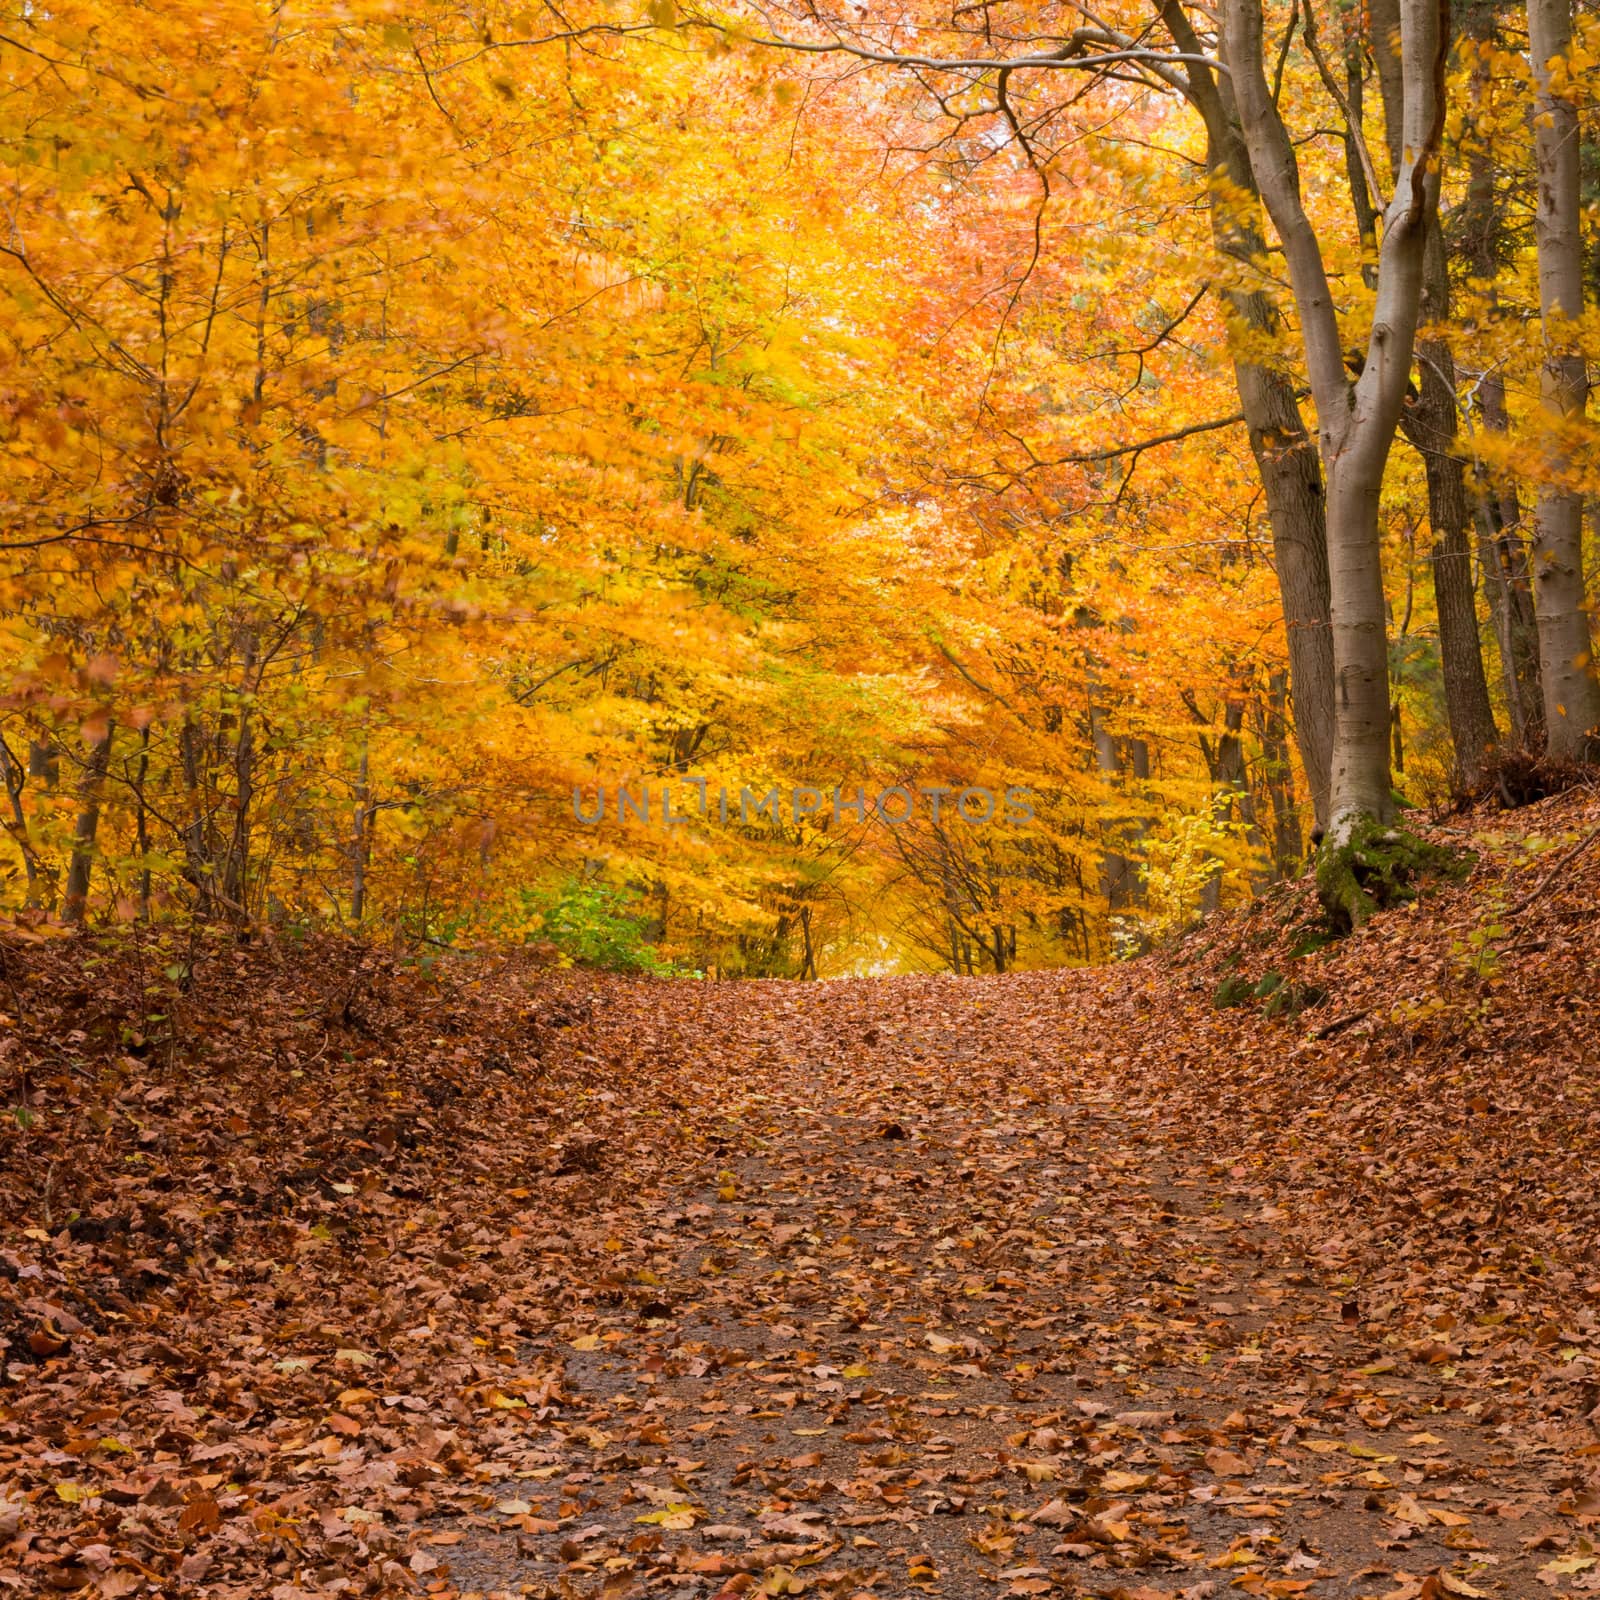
425	425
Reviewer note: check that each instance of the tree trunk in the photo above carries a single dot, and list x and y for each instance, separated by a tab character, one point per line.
1503	555
76	903
1230	782
235	886
44	764
1361	782
1291	481
361	844
1116	871
199	857
16	780
1225	763
1356	422
1278	777
1479	234
1571	688
1430	424
142	822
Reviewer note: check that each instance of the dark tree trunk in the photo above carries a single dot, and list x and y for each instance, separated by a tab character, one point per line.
1503	555
199	856
1288	845
75	905
16	781
1478	237
1566	654
1430	424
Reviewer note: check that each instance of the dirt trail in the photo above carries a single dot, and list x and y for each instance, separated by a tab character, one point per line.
942	1310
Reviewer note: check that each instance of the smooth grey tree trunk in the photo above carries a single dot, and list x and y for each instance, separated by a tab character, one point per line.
1291	481
1571	688
1356	421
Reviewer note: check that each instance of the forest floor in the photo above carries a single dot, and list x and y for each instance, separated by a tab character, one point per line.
321	1273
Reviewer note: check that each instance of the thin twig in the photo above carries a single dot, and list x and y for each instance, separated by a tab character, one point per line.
1565	861
1339	1024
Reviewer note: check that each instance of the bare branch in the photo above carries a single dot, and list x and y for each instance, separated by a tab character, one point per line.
1067	55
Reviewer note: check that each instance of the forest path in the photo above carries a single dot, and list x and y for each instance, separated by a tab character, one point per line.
362	1278
947	1302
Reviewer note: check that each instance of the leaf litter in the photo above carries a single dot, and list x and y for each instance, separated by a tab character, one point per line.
346	1277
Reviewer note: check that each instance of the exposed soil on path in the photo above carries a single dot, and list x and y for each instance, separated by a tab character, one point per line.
356	1279
954	1314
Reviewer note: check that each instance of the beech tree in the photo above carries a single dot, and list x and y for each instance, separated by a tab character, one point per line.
1356	419
1481	240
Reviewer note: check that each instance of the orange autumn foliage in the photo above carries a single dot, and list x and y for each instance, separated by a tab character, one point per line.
408	421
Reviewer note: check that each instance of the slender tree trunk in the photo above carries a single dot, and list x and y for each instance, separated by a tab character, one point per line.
1479	230
1230	782
1288	845
1571	687
76	902
1225	763
361	844
16	781
1504	557
199	858
44	764
142	822
1116	870
234	877
1430	424
234	884
1136	765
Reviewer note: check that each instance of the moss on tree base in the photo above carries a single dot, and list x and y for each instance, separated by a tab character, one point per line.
1376	867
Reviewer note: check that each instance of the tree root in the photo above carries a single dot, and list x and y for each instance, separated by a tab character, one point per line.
1378	866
